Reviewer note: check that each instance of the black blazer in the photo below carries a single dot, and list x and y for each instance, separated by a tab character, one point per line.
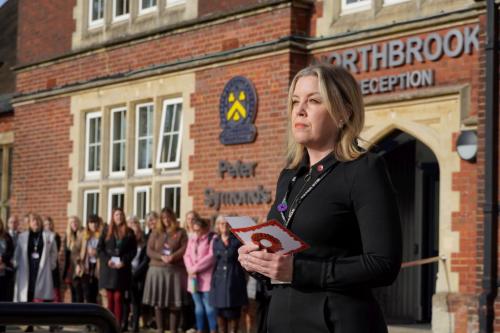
351	222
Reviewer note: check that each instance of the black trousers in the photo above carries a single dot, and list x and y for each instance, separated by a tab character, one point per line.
90	288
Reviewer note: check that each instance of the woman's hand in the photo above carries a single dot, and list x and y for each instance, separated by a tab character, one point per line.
243	251
166	259
111	263
275	266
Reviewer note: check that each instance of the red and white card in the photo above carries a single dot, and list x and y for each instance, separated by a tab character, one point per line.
270	235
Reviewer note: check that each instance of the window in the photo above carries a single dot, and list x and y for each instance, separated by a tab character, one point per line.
144	139
171	3
350	6
171	198
170	133
141	202
5	180
90	204
146	6
121	9
116	200
96	12
118	139
93	145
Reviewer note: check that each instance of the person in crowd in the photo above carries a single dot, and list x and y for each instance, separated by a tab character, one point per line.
35	257
152	218
191	216
339	199
73	271
6	269
89	259
13	228
48	225
116	249
199	260
165	286
139	269
228	292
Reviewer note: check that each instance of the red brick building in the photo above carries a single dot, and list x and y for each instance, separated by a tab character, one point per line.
124	102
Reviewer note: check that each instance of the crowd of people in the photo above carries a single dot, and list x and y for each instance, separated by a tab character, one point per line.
185	279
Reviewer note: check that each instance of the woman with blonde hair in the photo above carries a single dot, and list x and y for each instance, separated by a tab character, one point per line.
165	286
73	271
89	259
339	199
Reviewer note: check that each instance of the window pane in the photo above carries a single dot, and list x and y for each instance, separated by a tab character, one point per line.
10	173
143	122
97	166
119	125
92	131
168	119
92	200
118	157
97	9
92	155
121	7
178	117
173	199
164	148
144	157
173	150
117	200
148	3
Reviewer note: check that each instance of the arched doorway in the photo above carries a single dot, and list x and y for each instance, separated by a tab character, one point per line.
414	171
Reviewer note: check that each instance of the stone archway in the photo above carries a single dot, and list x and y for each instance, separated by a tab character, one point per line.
433	121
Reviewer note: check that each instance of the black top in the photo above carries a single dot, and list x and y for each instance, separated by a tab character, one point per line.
35	245
351	222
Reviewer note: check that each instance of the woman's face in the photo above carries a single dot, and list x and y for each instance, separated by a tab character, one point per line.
312	125
118	217
198	230
47	226
167	222
189	220
223	227
151	223
92	226
34	225
73	224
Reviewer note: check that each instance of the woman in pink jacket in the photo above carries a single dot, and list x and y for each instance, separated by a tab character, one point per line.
199	262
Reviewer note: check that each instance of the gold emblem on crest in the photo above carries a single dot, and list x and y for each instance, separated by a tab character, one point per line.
237	110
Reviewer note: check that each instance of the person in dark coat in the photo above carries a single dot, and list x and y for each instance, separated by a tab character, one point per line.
116	249
6	269
339	199
228	292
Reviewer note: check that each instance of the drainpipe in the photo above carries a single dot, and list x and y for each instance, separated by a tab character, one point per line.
490	257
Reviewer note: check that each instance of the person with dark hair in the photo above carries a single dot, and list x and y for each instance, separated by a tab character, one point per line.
116	248
89	259
228	292
6	269
165	286
199	260
338	198
72	273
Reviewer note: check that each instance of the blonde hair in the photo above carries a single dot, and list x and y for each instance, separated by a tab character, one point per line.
70	237
343	99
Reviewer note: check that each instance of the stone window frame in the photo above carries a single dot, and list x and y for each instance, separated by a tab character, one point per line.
173	3
360	5
393	2
6	154
85	212
92	24
142	189
116	190
147	10
112	142
88	117
177	194
177	161
147	171
122	17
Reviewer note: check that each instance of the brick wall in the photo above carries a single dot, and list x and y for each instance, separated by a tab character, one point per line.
8	33
45	29
270	77
41	159
259	28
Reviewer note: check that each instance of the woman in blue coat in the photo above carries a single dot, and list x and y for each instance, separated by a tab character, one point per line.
228	291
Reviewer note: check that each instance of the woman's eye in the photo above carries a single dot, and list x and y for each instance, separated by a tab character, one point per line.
314	101
295	102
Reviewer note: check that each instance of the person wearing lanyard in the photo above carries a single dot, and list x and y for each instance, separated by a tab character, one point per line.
339	199
35	257
88	257
116	249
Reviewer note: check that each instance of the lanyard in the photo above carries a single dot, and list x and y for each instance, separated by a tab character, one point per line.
302	197
36	241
